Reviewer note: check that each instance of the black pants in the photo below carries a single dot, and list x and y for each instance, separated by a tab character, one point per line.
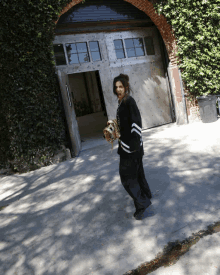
133	179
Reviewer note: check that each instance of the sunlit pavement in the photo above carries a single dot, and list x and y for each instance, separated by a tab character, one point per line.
75	217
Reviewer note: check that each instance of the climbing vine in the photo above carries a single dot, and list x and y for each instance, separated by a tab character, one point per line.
196	28
31	120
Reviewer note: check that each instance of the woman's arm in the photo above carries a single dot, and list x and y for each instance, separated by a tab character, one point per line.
136	125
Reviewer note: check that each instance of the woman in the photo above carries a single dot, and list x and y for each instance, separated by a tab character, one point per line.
131	147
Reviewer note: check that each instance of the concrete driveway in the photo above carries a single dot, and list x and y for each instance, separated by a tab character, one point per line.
75	218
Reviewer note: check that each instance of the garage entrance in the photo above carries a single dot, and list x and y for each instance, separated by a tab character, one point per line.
92	56
91	62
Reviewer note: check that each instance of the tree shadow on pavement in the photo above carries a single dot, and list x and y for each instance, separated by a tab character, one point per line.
76	218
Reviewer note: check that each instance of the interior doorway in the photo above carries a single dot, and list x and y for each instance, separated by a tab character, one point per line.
89	106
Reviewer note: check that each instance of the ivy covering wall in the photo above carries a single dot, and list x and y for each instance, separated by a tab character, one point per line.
31	120
196	25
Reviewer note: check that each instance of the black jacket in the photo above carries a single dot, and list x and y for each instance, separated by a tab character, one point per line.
130	125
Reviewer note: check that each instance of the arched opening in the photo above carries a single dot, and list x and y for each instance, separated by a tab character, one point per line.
110	37
159	20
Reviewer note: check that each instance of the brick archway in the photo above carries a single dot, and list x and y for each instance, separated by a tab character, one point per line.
171	47
159	20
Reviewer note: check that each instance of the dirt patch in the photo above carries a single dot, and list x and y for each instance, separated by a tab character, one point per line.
173	251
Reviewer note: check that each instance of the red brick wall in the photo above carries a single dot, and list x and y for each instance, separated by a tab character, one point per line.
192	109
162	25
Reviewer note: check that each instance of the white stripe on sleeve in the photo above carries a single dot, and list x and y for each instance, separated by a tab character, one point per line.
135	125
125	144
136	131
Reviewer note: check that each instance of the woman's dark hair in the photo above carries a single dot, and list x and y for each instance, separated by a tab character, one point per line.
124	78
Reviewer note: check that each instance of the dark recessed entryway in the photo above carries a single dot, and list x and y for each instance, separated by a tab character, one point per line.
89	104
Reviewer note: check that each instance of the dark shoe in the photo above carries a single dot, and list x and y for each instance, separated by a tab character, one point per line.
135	213
139	214
138	210
143	213
141	209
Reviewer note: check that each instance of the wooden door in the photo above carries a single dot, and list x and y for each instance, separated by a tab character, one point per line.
146	72
70	112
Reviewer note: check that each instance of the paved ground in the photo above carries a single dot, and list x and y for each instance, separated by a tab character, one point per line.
75	218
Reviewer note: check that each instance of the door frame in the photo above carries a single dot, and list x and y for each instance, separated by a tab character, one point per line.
72	123
165	60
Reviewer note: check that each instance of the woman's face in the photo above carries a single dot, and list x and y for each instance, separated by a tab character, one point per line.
120	90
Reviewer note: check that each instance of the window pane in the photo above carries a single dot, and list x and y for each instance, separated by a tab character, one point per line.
138	42
60	60
129	43
59	55
120	54
71	53
131	52
149	45
81	47
118	44
94	47
71	48
73	59
83	57
139	51
96	56
58	49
